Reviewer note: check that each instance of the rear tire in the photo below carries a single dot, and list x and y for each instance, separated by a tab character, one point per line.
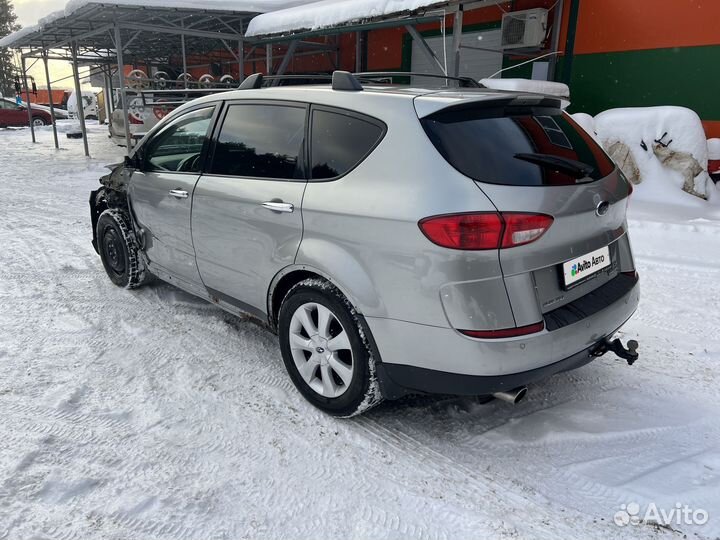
119	250
335	375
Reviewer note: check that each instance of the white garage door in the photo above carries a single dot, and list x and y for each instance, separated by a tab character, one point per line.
473	63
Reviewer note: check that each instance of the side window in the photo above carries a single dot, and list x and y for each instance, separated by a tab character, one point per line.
261	141
179	146
340	142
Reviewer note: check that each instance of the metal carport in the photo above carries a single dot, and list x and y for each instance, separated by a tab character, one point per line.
129	31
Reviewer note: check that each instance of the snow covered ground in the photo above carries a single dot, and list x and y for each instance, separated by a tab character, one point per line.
153	415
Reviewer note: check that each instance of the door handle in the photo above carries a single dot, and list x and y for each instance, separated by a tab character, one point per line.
179	193
279	207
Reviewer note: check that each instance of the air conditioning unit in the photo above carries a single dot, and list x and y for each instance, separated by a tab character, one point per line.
524	29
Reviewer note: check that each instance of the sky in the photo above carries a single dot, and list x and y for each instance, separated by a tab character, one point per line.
28	12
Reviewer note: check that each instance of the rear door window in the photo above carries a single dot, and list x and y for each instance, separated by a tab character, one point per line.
517	146
261	141
341	141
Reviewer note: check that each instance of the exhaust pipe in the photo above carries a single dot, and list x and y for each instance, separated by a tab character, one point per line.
512	396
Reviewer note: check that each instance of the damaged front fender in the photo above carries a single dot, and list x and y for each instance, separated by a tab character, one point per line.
112	194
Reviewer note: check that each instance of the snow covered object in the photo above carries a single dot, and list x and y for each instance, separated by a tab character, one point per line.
663	149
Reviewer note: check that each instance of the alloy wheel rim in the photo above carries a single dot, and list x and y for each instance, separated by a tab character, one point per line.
321	350
38	123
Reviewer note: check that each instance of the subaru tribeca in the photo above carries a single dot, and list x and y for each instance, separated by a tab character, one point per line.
398	239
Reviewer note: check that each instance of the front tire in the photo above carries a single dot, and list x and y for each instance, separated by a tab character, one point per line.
119	250
325	350
38	121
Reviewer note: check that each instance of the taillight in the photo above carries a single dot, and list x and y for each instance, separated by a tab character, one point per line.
521	229
505	332
485	230
464	231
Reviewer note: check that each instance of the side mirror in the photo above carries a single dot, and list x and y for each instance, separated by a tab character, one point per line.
133	162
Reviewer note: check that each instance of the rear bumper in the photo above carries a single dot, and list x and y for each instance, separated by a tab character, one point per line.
418	358
397	380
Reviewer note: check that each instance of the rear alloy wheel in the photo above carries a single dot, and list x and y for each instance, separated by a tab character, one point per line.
325	350
38	121
321	350
119	250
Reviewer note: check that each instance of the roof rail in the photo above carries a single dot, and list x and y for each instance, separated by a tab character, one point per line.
345	81
465	82
350	82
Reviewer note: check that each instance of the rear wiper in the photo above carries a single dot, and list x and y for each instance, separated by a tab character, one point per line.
576	168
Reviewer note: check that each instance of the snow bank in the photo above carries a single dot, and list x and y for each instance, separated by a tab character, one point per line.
651	133
327	13
549	88
586	122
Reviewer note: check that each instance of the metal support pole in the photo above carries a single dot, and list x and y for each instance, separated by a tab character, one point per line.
123	89
108	94
50	99
184	57
79	98
457	40
425	49
268	59
241	60
557	21
358	51
337	52
286	59
27	100
111	87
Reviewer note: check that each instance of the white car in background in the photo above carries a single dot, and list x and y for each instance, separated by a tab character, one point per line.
140	117
90	103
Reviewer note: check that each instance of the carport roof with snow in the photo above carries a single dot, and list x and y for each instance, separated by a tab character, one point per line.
90	24
326	17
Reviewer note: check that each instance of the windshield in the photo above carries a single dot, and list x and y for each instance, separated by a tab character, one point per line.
517	146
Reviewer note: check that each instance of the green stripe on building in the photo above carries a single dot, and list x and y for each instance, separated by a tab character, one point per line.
684	76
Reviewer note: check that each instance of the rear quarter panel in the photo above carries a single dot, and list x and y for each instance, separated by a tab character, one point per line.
363	231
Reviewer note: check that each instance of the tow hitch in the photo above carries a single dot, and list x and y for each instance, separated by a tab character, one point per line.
628	354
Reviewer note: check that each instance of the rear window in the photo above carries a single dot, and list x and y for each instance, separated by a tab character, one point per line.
522	147
340	142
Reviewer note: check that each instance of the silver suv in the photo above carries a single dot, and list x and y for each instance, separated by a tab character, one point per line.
398	239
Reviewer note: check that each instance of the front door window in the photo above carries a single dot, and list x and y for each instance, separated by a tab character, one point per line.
179	146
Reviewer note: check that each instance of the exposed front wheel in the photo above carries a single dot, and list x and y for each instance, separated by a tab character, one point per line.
325	350
119	250
38	121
